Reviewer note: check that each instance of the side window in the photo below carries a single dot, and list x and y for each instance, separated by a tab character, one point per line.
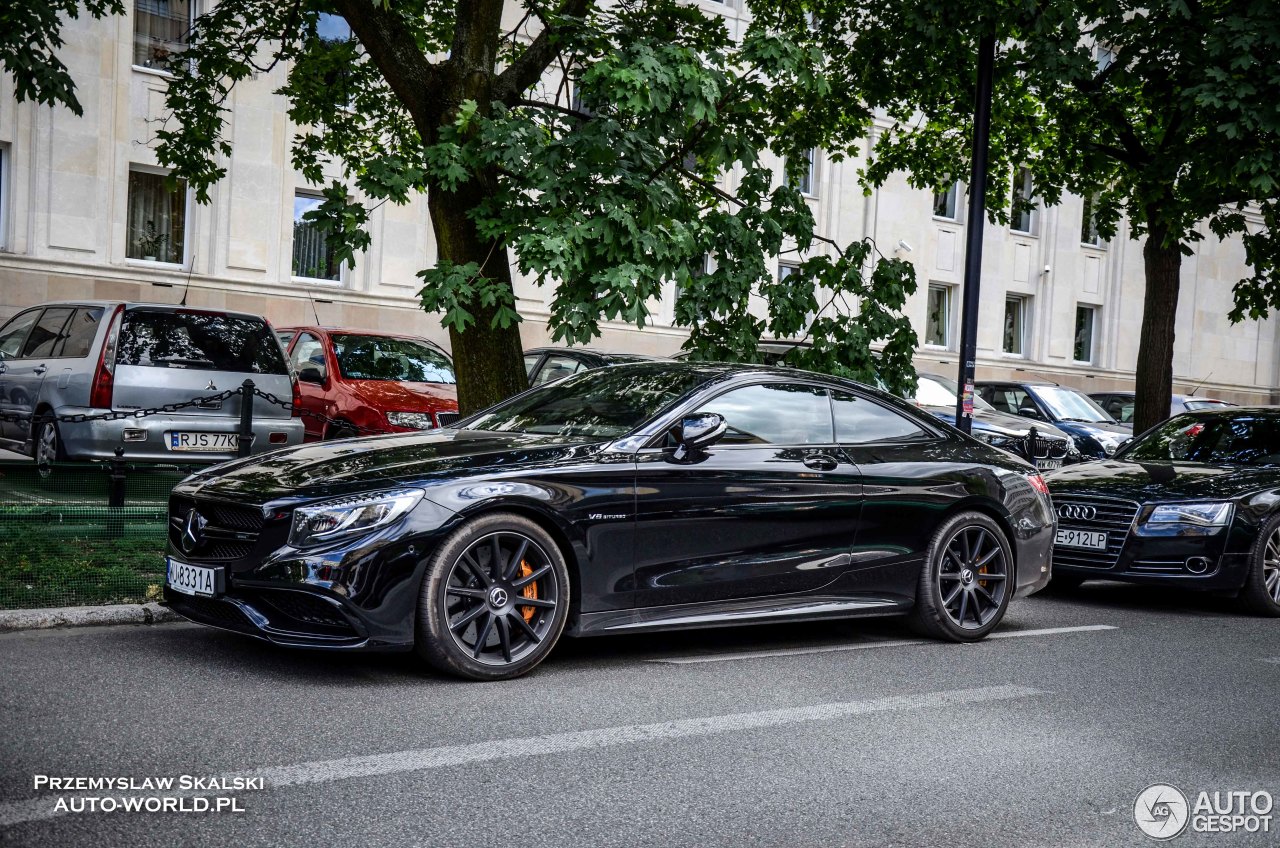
285	336
530	363
308	353
859	421
774	414
13	334
80	333
46	334
1018	399
557	368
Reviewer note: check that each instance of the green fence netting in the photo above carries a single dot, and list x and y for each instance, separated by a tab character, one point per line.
64	543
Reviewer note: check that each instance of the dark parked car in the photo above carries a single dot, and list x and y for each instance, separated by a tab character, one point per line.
1119	405
639	497
364	382
1051	449
1194	501
1097	435
97	357
548	364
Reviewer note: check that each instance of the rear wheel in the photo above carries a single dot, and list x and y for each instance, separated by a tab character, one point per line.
494	601
966	581
1261	592
47	441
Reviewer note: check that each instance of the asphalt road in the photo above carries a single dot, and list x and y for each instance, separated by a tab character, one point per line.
850	733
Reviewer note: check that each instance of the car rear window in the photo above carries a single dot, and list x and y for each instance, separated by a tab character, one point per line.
199	341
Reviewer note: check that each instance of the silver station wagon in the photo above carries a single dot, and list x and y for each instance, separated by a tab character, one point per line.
93	357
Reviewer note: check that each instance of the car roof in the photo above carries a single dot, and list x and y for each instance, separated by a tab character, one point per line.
591	351
158	307
1047	383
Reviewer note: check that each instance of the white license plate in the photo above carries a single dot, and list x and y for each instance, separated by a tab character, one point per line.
209	442
192	579
1048	464
1090	539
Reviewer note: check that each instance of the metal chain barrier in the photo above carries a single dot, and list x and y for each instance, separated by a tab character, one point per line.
82	417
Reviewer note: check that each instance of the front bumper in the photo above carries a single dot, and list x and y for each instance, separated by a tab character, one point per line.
1196	562
89	440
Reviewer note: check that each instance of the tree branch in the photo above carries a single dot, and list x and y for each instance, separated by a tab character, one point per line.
527	69
394	49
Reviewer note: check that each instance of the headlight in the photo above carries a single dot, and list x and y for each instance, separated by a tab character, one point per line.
325	522
1188	519
416	420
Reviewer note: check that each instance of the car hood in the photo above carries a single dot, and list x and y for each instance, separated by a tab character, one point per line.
998	422
353	465
395	396
1089	428
1166	481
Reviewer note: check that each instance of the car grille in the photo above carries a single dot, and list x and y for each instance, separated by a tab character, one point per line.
306	608
211	611
1113	515
230	532
445	419
1045	447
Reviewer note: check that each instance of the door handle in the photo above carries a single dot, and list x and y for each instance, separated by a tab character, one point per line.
40	369
820	462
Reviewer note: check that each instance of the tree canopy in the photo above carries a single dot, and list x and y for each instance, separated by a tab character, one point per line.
605	151
1167	113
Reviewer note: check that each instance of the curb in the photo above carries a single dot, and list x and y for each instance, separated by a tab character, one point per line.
44	619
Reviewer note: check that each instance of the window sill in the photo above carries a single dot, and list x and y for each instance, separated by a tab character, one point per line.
1007	355
155	263
937	348
938	219
1023	233
153	72
1101	248
318	281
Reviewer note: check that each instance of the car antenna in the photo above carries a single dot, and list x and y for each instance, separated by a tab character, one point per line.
1044	377
1192	393
315	313
191	269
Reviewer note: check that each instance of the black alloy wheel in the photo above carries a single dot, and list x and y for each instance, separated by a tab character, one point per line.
967	580
1261	592
495	599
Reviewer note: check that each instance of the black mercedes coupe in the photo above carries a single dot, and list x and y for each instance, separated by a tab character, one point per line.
638	497
1195	502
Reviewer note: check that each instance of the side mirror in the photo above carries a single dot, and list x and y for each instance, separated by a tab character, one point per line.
698	431
311	374
1028	412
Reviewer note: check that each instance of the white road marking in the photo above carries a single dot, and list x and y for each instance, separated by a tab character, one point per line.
864	646
1272	660
328	771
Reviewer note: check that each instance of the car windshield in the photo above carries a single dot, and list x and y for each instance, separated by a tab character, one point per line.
1206	404
603	403
1071	405
199	341
932	390
362	357
1237	440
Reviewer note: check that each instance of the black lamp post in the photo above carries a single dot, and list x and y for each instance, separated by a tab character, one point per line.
973	231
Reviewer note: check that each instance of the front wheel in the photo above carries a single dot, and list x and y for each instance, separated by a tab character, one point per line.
494	600
966	581
1261	592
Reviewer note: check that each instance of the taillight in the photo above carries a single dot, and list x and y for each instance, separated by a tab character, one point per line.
297	394
1038	483
104	376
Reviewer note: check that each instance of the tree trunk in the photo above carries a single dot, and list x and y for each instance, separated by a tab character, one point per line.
488	360
1154	378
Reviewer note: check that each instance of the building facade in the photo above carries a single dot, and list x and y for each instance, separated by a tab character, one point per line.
85	213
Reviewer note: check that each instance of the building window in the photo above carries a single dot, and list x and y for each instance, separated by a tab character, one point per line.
313	259
4	197
1085	319
1022	217
937	324
804	181
1089	223
157	218
786	269
160	30
1015	325
1104	56
946	204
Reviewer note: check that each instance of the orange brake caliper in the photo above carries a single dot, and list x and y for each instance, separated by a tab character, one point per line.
530	591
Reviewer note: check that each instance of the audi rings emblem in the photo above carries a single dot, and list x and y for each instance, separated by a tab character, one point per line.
1078	512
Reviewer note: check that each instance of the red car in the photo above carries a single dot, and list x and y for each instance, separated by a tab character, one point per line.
370	382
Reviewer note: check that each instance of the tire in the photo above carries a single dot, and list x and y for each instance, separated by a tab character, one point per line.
1261	592
482	623
1062	584
46	441
963	593
340	431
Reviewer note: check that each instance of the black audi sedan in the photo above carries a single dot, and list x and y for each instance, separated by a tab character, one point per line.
1195	501
648	496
